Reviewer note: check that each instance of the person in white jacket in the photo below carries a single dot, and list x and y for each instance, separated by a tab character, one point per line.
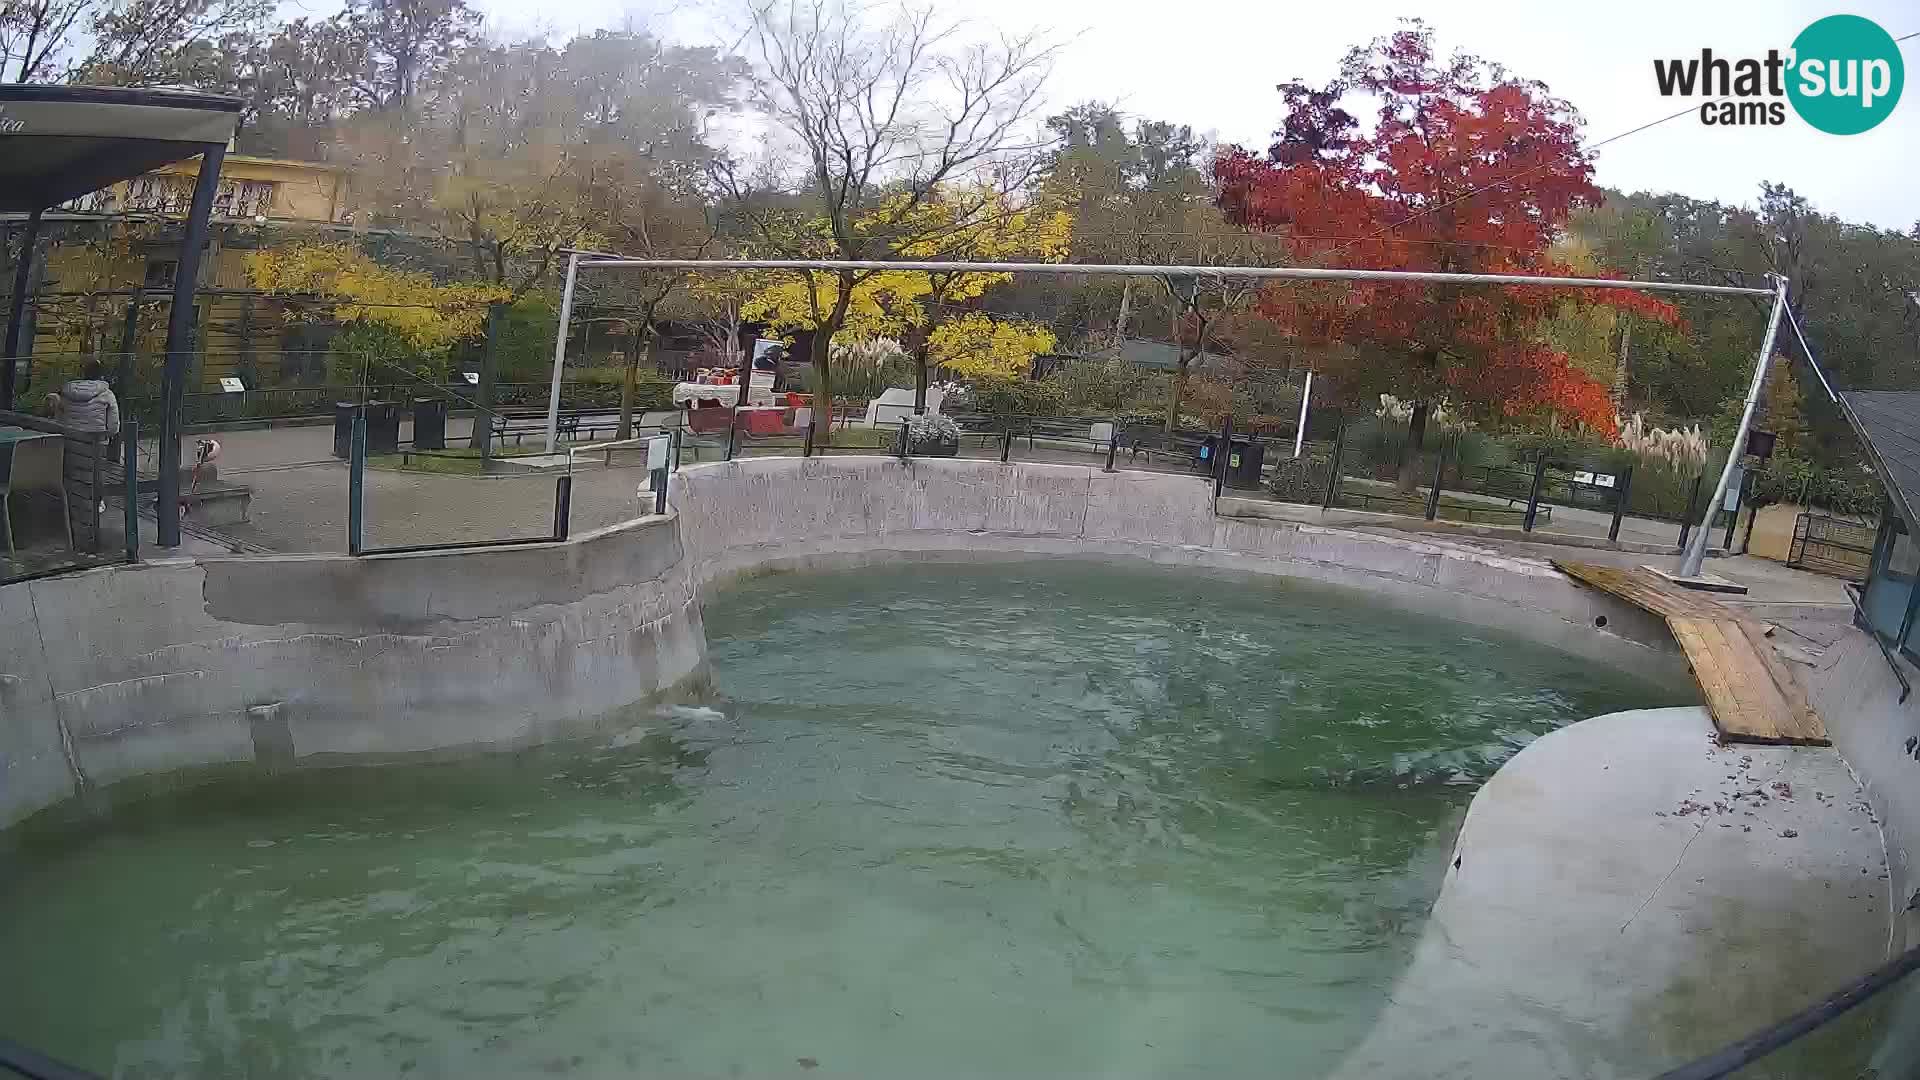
87	403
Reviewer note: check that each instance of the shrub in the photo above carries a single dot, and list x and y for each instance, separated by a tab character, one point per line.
932	429
863	369
1017	397
1099	388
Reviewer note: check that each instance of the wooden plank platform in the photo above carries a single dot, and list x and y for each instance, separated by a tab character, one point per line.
1751	694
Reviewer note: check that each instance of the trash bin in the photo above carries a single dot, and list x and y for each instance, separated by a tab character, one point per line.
1243	464
383	427
429	423
343	429
1244	458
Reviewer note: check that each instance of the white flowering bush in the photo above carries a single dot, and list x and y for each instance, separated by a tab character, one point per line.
1681	450
1439	418
932	429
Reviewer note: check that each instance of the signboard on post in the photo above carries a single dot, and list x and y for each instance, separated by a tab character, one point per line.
231	385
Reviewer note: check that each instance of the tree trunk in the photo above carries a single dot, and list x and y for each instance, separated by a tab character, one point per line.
917	345
1410	453
1621	370
823	387
1175	387
1126	310
639	340
823	359
483	416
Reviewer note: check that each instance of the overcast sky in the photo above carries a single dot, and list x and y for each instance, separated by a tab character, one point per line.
1213	64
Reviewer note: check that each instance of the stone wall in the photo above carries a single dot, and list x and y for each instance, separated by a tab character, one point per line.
278	660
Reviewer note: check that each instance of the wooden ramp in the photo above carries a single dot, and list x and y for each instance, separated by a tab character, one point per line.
1750	693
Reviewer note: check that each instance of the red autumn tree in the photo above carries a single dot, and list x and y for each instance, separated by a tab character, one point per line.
1465	169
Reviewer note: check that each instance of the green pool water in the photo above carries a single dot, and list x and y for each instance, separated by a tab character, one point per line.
1033	819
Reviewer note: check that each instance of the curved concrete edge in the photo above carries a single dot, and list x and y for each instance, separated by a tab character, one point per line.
265	662
768	514
178	665
1593	923
1858	696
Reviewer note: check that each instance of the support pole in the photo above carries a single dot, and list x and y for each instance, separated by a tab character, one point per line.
1686	516
1696	552
17	310
186	281
1333	470
1300	433
1439	477
1622	486
130	482
1113	442
562	505
357	482
560	353
1221	456
1533	493
482	434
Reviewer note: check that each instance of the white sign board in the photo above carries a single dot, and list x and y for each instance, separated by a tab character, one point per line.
1732	501
473	377
232	385
1604	480
659	448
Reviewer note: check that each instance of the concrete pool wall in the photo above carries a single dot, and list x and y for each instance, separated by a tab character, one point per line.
270	661
760	514
277	661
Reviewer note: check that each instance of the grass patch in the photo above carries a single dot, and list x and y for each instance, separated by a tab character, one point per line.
864	438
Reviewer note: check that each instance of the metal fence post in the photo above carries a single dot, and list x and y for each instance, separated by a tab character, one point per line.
1333	474
1739	500
806	448
130	483
660	490
1221	455
1533	493
1113	442
562	505
1746	540
356	481
1439	477
733	429
1693	500
901	446
1621	489
678	445
1006	442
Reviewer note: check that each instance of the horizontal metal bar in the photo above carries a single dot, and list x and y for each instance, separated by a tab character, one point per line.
459	545
1309	273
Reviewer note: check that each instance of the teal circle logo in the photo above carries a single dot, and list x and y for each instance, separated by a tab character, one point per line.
1846	74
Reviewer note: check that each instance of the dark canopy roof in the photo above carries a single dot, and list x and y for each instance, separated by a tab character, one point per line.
60	142
1888	421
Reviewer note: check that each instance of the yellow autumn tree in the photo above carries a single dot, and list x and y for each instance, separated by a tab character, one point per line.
978	346
404	316
958	225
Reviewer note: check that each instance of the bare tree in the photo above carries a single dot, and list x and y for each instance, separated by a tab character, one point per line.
34	35
882	115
